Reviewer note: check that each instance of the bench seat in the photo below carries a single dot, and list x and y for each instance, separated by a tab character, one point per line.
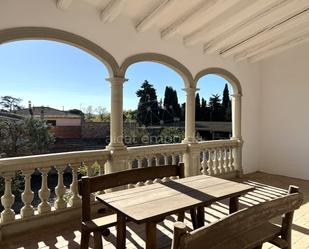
252	238
100	223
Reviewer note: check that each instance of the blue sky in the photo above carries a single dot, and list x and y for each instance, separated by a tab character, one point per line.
61	76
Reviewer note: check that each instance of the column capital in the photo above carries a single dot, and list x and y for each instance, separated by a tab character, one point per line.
236	95
117	80
191	90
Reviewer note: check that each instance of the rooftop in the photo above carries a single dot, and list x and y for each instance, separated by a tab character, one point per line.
46	111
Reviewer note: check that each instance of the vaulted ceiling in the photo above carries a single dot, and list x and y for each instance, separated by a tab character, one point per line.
243	29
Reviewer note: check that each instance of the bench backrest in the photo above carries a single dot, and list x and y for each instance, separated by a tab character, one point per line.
94	184
238	223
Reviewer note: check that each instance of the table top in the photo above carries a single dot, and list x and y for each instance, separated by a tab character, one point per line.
156	201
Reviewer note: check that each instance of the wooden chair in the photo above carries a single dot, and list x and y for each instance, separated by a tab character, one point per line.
246	229
89	185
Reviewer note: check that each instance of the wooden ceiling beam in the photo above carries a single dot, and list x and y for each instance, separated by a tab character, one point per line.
150	17
112	10
282	47
270	17
277	29
198	10
238	13
63	4
272	42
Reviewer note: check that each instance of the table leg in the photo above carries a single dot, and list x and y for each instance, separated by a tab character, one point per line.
234	204
151	235
121	231
193	218
200	216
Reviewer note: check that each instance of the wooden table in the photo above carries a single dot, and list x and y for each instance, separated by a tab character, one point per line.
152	203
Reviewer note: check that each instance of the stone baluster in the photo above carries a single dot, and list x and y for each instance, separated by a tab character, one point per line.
165	159
215	161
157	160
210	162
174	159
165	156
130	163
101	167
140	165
204	162
231	159
226	159
60	189
149	161
220	160
149	164
181	157
7	200
139	162
27	196
44	206
75	200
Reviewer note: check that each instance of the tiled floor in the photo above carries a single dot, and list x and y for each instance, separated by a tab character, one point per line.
267	187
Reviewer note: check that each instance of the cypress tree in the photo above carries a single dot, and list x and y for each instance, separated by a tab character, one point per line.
203	110
226	97
197	107
226	104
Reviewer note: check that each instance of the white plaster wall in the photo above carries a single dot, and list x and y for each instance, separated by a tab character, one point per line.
285	114
121	40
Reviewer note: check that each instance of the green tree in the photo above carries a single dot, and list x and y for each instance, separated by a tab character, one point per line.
215	101
10	103
135	135
215	108
171	135
226	104
26	137
197	107
148	112
226	97
129	115
37	135
183	112
172	110
76	112
203	110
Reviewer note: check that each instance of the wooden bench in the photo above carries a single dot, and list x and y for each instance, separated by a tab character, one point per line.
246	229
89	185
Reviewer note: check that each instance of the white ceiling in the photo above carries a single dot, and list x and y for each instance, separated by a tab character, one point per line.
244	29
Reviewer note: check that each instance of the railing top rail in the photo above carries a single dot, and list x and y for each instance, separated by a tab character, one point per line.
218	143
52	159
157	149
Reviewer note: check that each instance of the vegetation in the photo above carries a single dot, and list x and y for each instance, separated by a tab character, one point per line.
148	112
9	103
151	112
26	137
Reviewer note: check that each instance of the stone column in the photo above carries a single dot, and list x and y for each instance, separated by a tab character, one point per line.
236	133
236	115
191	157
118	160
190	115
116	123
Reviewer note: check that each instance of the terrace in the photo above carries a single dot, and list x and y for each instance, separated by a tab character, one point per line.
258	47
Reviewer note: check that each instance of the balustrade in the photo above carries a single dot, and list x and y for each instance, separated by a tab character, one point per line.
216	158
